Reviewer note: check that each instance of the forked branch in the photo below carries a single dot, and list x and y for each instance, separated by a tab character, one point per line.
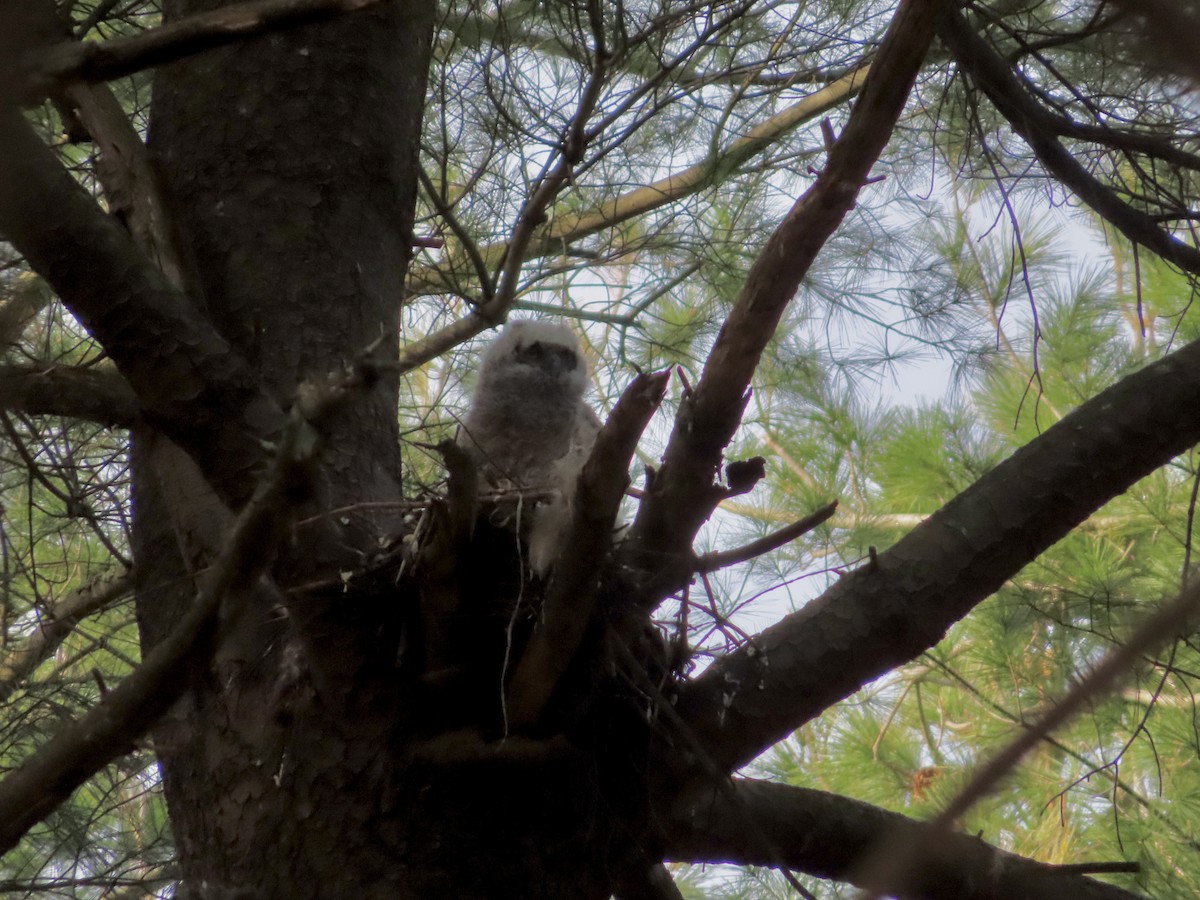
1039	129
30	792
190	383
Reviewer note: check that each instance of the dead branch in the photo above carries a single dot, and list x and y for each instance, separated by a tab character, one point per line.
1040	129
829	836
571	595
95	395
56	624
74	61
682	495
710	562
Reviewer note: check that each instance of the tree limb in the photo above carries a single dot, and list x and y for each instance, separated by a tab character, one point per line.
1039	129
682	494
889	611
902	854
95	395
191	384
87	61
56	624
646	883
829	836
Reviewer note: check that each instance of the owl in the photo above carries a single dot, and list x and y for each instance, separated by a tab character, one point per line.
528	426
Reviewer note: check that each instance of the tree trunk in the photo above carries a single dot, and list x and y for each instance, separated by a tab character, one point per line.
290	164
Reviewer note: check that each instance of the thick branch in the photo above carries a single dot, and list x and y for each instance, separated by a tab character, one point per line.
93	62
190	383
571	596
56	625
682	497
1039	129
1170	29
647	883
902	603
96	395
768	824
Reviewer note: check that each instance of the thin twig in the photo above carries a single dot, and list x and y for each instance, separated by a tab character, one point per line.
711	562
56	624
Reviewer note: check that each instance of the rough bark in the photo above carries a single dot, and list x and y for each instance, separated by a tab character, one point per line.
289	165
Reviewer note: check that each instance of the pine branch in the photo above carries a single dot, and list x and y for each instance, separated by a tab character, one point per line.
31	791
821	834
1040	129
566	228
902	854
56	625
189	381
901	604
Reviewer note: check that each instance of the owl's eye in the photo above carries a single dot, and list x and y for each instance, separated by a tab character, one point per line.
553	358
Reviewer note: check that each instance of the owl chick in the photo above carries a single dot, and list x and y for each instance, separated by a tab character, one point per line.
528	426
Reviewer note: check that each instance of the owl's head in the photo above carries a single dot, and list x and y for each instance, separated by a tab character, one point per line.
536	350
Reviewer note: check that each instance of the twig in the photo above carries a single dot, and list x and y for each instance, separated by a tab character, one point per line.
568	227
710	562
66	62
495	308
1037	127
